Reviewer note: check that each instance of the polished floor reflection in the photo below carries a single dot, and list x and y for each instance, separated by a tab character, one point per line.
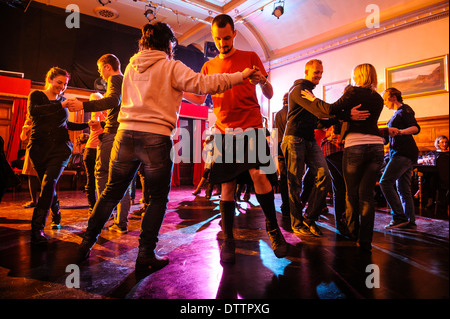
403	263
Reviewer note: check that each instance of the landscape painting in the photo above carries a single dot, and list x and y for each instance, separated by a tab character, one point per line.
419	78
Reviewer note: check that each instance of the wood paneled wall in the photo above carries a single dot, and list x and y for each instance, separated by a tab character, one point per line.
430	128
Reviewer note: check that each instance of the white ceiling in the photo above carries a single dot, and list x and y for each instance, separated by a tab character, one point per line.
305	23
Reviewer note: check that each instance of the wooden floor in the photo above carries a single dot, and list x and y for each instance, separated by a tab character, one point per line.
403	264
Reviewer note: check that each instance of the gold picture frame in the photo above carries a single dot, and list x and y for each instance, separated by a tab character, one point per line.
333	91
420	78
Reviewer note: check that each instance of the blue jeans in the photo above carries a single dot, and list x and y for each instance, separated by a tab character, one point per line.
362	169
298	152
131	149
398	172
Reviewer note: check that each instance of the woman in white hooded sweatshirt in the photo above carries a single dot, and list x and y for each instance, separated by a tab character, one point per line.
152	91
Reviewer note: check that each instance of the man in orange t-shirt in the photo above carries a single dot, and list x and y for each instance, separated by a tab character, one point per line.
238	109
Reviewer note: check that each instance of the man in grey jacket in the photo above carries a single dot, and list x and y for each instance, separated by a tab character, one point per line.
109	69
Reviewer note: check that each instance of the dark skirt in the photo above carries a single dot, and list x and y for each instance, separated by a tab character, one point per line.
235	154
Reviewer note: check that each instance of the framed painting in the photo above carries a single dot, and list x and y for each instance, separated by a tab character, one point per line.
333	91
419	78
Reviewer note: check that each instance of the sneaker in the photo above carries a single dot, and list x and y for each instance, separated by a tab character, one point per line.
55	225
314	229
227	251
410	226
279	245
30	205
151	262
38	237
140	211
302	230
396	224
117	228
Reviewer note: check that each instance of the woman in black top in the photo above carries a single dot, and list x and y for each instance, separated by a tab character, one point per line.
403	153
363	149
49	145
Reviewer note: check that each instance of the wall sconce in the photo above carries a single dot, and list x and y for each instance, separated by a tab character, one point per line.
278	9
150	13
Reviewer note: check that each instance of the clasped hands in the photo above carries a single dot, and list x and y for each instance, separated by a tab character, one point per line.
73	105
255	76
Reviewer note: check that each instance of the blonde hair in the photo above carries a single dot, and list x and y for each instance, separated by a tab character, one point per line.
365	75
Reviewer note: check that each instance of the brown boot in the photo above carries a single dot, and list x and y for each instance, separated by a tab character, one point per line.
279	245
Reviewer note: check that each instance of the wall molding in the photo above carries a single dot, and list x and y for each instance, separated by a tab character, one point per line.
427	15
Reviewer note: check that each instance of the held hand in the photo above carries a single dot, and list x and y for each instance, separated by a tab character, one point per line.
65	103
94	125
308	95
257	77
75	105
393	131
357	115
247	73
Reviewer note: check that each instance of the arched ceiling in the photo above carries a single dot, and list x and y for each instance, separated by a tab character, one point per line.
304	24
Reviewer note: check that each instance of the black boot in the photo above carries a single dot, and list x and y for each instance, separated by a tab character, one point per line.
37	226
56	215
227	250
149	261
279	245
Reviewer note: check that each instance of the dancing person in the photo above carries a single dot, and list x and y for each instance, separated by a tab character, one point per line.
49	146
395	183
153	87
90	153
239	127
363	150
300	148
109	69
280	125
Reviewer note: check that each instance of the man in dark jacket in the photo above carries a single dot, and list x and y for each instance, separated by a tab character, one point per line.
299	148
109	69
280	125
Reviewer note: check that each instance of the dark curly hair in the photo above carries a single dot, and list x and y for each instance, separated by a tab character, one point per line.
158	36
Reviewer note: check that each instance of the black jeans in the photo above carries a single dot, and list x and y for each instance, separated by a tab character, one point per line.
49	161
89	156
362	167
334	162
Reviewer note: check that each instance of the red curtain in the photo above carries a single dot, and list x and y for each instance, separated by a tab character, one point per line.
19	114
176	171
199	167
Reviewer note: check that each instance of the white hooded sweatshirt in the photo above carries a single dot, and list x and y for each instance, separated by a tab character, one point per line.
153	87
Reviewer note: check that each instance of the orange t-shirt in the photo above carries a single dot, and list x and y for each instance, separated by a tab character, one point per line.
237	107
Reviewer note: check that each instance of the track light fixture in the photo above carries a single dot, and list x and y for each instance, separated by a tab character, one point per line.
278	9
150	13
104	2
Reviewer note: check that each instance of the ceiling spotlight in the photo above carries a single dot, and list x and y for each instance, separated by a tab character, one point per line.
278	9
150	13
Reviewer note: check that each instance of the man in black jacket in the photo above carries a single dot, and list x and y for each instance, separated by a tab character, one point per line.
280	125
300	147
